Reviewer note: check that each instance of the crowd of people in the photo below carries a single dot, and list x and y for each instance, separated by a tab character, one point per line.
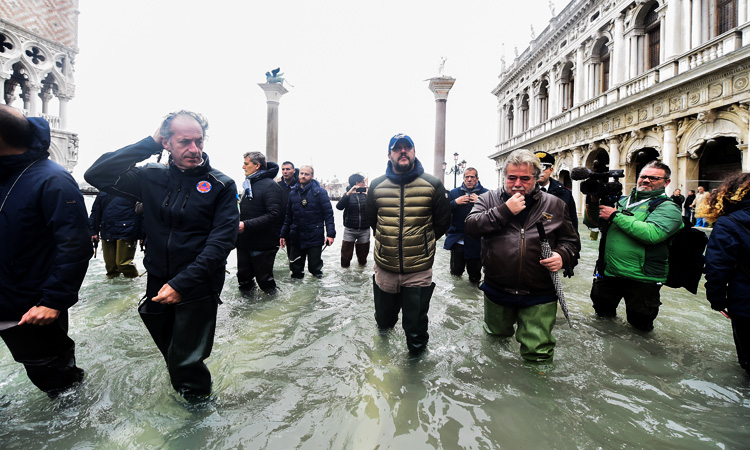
191	216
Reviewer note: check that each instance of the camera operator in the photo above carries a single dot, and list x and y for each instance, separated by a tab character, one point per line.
356	227
634	250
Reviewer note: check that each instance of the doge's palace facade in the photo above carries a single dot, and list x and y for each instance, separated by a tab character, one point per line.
618	83
38	44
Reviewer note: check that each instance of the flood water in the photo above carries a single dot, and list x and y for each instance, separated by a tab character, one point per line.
308	369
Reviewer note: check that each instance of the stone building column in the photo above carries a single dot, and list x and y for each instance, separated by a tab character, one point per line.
671	30
501	121
618	52
743	9
669	150
614	153
695	25
46	96
273	92
440	86
685	23
29	95
64	99
580	77
576	188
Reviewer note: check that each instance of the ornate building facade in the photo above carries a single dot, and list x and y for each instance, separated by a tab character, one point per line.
38	44
618	83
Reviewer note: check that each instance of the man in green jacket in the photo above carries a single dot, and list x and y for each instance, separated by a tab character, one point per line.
636	249
409	211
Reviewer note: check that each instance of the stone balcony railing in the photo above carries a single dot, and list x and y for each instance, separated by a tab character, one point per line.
711	50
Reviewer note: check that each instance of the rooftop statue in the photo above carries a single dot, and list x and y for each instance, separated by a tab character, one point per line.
275	77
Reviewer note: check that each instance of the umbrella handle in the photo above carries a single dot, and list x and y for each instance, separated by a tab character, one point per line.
540	230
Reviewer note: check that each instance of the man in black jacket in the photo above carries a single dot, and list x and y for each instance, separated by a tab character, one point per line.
261	217
554	187
191	218
44	252
115	223
289	178
356	227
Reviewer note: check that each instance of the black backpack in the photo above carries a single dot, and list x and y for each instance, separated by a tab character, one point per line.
686	249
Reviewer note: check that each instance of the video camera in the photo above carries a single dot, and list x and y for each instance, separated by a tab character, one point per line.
597	184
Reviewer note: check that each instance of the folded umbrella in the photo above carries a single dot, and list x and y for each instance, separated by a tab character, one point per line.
547	253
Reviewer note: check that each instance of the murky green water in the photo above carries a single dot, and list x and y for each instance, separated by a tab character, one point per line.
308	369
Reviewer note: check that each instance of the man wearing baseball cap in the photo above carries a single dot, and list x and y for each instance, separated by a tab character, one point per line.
409	211
554	187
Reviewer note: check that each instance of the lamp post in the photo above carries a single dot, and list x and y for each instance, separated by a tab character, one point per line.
458	167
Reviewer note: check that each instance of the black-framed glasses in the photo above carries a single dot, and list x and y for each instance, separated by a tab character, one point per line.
524	179
651	178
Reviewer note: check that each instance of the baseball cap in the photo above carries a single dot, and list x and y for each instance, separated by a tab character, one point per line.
399	137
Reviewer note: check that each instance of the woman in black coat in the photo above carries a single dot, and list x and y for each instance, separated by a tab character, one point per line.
728	258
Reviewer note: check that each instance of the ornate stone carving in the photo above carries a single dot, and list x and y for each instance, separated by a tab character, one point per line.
715	91
642	115
675	104
741	110
740	83
707	116
694	98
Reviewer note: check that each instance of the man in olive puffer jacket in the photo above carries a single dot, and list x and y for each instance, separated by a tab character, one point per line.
409	211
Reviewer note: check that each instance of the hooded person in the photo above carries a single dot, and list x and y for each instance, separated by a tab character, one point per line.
261	217
44	252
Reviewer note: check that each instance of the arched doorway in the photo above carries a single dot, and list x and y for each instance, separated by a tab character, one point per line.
719	158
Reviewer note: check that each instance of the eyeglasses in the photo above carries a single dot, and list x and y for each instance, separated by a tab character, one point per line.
524	179
651	178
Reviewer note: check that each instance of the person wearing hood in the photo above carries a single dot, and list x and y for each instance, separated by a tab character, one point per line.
191	216
636	249
409	211
308	214
465	250
728	258
44	252
261	217
518	289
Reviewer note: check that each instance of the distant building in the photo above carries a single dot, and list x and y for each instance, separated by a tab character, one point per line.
38	44
624	82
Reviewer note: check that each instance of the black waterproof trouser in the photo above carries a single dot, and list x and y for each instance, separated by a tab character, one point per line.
641	300
415	303
255	266
459	261
184	334
47	353
297	257
741	333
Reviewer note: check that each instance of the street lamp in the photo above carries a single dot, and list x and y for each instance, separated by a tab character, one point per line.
458	168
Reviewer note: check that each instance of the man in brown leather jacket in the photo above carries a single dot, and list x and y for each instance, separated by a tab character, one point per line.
517	284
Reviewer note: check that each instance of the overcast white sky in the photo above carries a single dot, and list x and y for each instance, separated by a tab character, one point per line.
357	68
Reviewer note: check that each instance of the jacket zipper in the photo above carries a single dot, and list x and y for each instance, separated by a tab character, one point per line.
401	232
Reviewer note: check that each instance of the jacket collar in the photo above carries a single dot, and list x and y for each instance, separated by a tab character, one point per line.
401	178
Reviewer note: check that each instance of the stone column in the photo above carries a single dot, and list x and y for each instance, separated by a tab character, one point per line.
671	30
686	26
440	86
46	96
618	53
273	92
577	154
501	122
614	153
29	95
580	77
669	151
742	12
63	99
695	24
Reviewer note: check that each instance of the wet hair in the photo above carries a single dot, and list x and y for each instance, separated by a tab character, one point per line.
355	178
655	164
523	157
732	191
166	125
257	158
15	130
288	162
